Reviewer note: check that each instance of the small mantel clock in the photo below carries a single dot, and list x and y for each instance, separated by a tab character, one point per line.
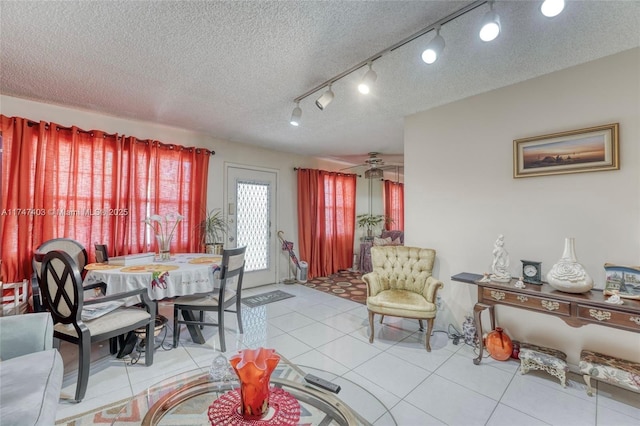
532	272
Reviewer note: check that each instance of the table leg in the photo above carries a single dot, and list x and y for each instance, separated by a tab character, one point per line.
477	313
194	330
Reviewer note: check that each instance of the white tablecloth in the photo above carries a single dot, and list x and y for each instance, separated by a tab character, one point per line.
188	278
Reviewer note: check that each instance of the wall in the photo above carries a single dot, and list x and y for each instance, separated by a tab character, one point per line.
460	193
226	152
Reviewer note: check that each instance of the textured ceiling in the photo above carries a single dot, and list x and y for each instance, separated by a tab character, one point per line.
231	69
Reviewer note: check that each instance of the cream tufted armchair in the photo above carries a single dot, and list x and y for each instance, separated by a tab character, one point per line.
401	285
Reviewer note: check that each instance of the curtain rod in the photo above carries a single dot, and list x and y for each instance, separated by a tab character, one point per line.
31	123
340	173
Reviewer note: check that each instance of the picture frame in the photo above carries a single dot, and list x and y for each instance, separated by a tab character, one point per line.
622	280
575	151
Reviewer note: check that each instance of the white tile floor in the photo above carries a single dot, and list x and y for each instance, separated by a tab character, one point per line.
418	388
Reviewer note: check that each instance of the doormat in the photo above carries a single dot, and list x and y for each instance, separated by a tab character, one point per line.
345	284
264	298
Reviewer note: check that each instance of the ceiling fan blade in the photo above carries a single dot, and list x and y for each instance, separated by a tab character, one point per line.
351	167
391	167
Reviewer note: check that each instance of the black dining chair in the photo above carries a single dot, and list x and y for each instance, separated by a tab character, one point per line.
64	299
219	300
101	253
74	248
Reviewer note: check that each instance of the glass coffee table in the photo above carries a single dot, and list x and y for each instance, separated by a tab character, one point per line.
185	399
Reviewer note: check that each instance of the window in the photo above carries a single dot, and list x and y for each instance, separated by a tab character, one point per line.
92	187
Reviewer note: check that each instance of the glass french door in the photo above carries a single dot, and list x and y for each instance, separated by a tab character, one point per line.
251	200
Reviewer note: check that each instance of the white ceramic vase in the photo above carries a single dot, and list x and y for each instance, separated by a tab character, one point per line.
568	274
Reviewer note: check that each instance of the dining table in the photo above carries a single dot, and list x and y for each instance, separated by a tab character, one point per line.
183	274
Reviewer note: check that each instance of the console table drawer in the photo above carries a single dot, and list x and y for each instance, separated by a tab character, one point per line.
557	307
610	317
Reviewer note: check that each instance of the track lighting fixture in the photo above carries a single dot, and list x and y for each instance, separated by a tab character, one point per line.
489	31
296	115
434	48
367	81
325	99
490	25
551	8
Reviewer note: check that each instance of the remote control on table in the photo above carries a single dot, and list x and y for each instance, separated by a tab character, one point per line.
322	383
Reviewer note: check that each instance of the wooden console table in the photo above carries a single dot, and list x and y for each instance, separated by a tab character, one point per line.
575	309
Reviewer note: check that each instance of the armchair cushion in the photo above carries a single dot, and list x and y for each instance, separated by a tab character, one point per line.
31	372
402	303
31	387
24	334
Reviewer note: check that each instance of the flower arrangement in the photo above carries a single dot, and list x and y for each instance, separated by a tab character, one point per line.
164	227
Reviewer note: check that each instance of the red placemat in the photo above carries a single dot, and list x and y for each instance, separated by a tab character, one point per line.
284	409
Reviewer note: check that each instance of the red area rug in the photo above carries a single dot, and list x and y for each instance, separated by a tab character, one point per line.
345	284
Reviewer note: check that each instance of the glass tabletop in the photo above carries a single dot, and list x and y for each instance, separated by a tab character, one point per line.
186	397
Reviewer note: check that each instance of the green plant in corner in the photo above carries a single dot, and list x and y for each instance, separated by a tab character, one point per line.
212	231
372	221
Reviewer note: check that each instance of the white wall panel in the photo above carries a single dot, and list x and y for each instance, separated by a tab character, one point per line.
460	193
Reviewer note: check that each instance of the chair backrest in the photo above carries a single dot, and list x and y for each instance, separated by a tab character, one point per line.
402	266
101	253
232	266
61	285
14	301
72	247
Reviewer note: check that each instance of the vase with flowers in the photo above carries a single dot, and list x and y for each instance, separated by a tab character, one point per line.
164	228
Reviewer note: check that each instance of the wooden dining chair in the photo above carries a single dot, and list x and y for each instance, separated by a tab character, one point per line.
74	248
64	299
220	300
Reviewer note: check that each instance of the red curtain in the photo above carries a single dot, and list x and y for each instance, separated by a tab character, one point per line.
326	220
92	187
167	179
394	205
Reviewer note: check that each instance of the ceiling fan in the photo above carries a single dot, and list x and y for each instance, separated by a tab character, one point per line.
375	166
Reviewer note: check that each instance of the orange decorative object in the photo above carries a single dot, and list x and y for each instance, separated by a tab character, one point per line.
499	345
254	368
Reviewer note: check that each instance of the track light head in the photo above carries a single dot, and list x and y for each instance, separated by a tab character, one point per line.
296	115
367	81
551	8
325	99
434	49
490	25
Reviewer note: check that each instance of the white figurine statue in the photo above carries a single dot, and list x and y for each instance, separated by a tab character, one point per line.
486	278
500	265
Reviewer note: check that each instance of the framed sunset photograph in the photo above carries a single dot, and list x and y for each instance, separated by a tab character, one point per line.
584	150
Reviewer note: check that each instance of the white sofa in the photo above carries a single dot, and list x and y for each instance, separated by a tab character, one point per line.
31	371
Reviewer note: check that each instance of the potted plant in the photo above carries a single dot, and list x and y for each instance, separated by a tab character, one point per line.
371	221
212	231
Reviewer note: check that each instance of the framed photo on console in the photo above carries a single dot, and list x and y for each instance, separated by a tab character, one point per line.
622	280
575	151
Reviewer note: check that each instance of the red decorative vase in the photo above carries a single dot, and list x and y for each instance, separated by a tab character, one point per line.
254	368
499	345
